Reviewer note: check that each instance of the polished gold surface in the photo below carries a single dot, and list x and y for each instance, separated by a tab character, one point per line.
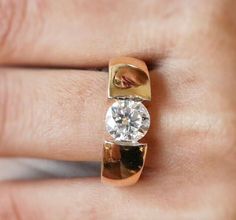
122	163
128	78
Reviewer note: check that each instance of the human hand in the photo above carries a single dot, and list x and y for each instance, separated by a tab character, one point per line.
50	113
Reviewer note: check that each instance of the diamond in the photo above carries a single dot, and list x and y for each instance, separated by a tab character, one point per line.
127	120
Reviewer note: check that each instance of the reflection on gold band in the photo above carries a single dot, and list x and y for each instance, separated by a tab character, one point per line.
129	77
122	164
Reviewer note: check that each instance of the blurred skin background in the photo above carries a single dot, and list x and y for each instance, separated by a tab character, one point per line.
53	84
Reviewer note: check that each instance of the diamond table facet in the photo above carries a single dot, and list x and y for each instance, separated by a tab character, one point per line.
127	120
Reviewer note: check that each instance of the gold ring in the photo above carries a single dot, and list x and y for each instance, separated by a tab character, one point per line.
127	121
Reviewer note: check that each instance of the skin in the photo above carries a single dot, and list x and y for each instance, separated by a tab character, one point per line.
46	112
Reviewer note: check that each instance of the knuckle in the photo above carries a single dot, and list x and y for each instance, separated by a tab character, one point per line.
10	22
228	138
9	206
3	103
16	18
12	108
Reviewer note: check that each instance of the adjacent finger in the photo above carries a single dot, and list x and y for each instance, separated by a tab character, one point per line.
71	199
55	114
88	199
81	33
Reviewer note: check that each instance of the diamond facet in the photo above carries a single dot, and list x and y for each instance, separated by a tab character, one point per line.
127	120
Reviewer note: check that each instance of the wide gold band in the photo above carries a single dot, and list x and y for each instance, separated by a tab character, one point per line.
122	162
128	77
122	165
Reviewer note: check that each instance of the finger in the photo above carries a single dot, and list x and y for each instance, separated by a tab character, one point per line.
88	199
52	113
78	33
78	199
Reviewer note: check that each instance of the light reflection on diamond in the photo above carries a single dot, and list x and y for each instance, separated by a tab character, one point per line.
127	120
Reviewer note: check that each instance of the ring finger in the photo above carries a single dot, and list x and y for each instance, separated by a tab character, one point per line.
55	114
